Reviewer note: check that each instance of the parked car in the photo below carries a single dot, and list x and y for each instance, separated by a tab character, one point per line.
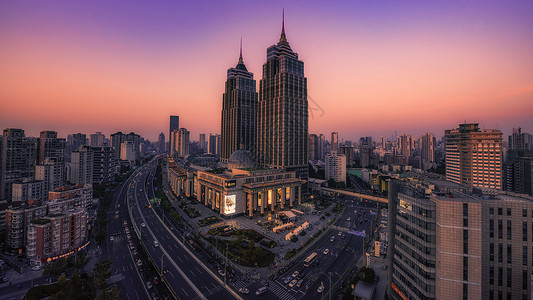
293	283
295	274
287	280
143	225
299	284
148	285
244	291
320	289
156	243
326	251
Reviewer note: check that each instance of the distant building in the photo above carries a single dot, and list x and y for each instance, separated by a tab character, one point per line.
174	125
74	141
335	142
519	141
474	157
518	172
214	144
203	143
97	139
17	158
81	166
118	138
69	197
348	151
161	143
127	151
105	164
239	111
428	145
312	147
335	167
321	147
405	145
49	171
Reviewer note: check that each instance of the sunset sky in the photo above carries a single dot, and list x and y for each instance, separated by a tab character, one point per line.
372	66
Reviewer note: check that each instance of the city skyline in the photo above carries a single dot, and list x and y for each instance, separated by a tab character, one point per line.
374	72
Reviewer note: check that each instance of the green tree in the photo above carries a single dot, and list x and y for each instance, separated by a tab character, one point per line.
102	271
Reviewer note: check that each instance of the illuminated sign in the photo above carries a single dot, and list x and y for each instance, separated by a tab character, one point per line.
231	183
229	204
397	290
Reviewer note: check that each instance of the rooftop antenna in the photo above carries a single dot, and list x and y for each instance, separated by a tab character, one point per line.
240	54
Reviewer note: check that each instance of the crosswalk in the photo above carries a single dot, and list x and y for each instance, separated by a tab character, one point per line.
280	291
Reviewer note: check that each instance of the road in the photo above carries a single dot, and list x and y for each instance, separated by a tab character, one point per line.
186	275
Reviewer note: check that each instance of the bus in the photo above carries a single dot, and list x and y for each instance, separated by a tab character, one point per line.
310	259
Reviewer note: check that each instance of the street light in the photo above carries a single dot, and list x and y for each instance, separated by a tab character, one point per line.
162	256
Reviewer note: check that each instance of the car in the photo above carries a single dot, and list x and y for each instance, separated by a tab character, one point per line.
129	236
326	251
36	268
339	234
299	284
143	225
320	289
261	291
156	280
154	296
332	239
287	280
293	283
244	291
295	274
111	238
221	272
148	284
156	243
139	263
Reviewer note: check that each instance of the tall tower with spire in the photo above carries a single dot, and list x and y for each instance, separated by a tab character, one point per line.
239	111
283	114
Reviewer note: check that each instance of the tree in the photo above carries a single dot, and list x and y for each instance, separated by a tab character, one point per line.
102	271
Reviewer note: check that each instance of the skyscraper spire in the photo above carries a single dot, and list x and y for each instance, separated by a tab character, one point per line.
283	38
240	54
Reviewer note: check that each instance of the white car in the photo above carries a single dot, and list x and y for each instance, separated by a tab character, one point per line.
36	268
143	225
111	238
244	291
326	252
261	291
156	243
148	284
320	289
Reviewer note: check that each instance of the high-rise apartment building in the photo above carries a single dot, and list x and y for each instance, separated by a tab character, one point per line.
321	147
17	220
17	159
428	145
118	138
29	189
174	125
335	165
81	166
53	149
334	142
239	111
519	141
473	156
182	142
348	151
74	141
97	139
127	151
214	144
49	171
405	145
283	111
105	164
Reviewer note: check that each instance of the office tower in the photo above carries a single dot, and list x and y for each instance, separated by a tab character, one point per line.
214	144
173	141
519	141
97	139
161	143
74	141
127	151
321	147
203	143
53	148
182	142
405	145
312	147
382	142
518	172
174	125
29	189
50	172
451	241
283	111
348	151
116	141
239	111
118	138
81	166
335	165
335	141
428	146
474	157
18	156
105	164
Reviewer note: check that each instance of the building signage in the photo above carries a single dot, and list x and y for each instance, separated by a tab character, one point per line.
397	290
229	204
231	183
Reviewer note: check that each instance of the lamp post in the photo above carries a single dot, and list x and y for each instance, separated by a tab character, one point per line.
162	256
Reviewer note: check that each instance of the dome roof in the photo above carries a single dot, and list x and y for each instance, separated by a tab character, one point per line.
241	159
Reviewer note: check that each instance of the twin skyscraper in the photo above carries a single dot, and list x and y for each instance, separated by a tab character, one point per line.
272	124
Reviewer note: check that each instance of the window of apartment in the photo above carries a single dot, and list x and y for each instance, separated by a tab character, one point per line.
491	210
500	229
509	229
465	222
491	253
491	228
491	295
500	252
491	275
500	211
509	277
524	212
508	211
500	295
509	256
465	241
524	255
524	280
524	231
500	276
465	291
465	268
